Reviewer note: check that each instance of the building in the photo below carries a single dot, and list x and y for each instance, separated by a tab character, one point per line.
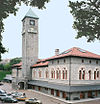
72	75
5	61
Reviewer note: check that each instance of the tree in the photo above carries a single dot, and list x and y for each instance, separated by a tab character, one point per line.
9	7
87	18
1	67
15	61
7	67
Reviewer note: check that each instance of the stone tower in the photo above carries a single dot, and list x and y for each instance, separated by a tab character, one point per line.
29	43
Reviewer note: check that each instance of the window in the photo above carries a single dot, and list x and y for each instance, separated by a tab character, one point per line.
89	94
64	61
46	89
80	74
40	74
89	74
96	62
33	87
57	93
66	74
63	74
64	95
81	50
94	74
39	88
58	74
58	61
90	61
46	74
32	22
82	95
54	74
82	61
97	74
96	93
51	74
84	74
52	91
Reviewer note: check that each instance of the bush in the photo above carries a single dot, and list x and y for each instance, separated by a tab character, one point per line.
3	74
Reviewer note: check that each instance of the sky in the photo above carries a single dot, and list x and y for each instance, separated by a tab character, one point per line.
55	31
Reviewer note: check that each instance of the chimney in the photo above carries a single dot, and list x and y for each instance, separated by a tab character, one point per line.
56	51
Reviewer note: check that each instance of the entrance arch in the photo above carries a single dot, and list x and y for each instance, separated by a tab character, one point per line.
21	85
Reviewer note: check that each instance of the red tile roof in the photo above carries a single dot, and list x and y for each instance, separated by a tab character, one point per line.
41	64
17	65
75	52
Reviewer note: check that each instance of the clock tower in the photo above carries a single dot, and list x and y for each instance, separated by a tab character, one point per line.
29	43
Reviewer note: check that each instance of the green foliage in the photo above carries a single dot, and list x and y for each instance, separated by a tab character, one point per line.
2	49
87	18
1	67
15	61
8	7
7	67
3	74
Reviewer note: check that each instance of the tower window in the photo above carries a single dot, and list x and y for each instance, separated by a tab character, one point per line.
32	22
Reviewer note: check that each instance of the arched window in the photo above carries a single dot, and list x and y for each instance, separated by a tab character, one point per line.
46	73
89	74
84	74
97	74
80	74
54	74
51	74
40	74
94	74
63	74
57	74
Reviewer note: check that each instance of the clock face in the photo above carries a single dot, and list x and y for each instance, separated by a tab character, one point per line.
32	22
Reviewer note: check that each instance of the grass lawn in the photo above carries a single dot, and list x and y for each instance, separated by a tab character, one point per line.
3	74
